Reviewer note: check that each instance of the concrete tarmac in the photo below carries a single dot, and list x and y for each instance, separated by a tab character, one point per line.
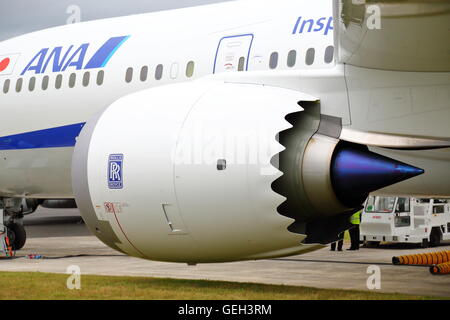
59	235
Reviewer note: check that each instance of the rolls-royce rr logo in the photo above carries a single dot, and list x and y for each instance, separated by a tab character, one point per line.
115	171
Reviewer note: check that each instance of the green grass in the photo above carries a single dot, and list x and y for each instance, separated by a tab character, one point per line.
36	285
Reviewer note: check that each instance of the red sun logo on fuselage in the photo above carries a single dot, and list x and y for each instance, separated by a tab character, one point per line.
4	64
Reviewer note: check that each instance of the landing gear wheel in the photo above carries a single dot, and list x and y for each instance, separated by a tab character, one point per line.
17	236
435	238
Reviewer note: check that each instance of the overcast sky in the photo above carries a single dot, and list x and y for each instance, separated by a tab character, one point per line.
22	16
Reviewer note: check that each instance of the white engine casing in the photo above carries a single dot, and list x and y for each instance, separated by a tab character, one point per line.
175	205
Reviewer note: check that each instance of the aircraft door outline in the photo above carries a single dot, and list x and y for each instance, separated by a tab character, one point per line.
231	50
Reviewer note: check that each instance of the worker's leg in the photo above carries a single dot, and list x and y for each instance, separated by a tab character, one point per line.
353	239
340	244
356	245
333	246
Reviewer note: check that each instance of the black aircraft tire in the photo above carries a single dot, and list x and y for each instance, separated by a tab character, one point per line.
435	238
18	236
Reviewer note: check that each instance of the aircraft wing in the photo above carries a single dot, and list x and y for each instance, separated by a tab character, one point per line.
400	35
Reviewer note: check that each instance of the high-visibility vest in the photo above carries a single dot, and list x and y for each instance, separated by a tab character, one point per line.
356	218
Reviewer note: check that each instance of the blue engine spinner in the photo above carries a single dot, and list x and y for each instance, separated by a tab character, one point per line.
356	171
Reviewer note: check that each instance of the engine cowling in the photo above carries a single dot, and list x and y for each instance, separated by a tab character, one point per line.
201	172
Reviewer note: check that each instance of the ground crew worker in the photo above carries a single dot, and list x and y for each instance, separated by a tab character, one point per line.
355	219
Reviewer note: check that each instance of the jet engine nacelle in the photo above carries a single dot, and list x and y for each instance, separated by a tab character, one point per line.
193	173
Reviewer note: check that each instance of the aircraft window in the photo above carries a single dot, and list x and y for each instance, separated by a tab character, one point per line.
86	78
292	58
309	59
329	53
159	72
144	73
174	70
190	69
241	64
45	83
129	75
19	85
100	77
58	81
6	86
32	84
273	62
72	80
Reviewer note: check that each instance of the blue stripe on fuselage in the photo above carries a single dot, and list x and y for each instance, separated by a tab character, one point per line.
102	56
48	138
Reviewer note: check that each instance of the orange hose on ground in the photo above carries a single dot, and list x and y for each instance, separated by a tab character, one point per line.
429	258
443	268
